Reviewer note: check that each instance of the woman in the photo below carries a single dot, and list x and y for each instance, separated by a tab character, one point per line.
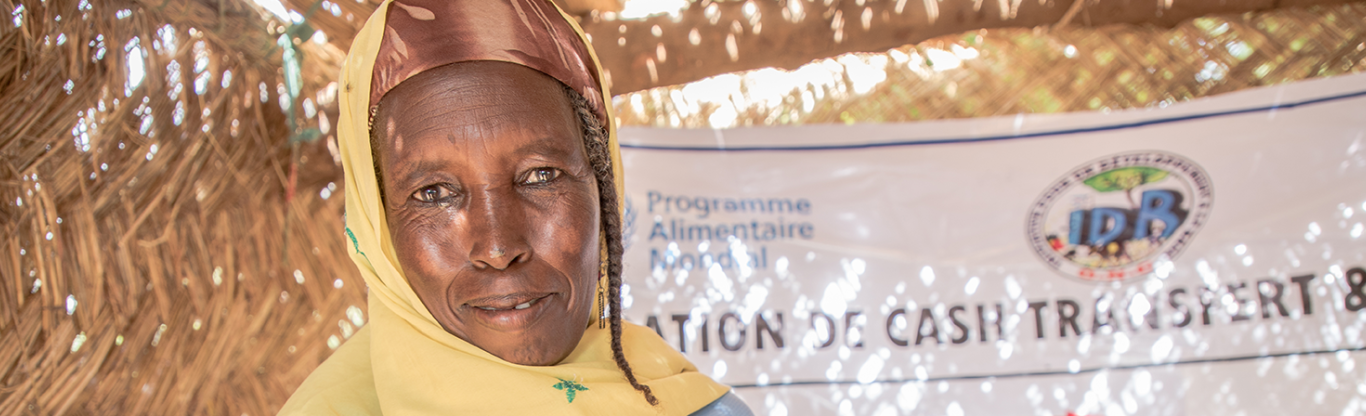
482	186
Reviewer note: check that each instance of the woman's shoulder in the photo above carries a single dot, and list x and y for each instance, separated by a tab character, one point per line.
343	385
727	405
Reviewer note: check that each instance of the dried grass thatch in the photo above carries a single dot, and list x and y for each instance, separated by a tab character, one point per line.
153	261
1043	71
167	250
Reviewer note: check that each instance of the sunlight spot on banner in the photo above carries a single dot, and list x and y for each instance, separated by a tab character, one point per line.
908	397
927	275
1084	344
722	287
1357	230
1143	383
1207	273
1013	288
758	294
1032	393
870	370
777	409
1162	349
740	252
1121	344
1240	249
1163	266
1100	384
1073	366
833	372
1152	285
846	408
832	302
986	386
971	287
1138	308
954	409
719	369
883	409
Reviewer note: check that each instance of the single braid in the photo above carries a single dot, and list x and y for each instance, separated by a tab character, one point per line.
375	142
600	158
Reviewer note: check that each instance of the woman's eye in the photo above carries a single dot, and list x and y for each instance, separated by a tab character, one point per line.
541	175
432	194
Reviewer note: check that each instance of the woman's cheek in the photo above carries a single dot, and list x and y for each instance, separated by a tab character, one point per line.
429	244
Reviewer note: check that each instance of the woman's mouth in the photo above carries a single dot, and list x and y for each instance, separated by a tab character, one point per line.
509	313
502	305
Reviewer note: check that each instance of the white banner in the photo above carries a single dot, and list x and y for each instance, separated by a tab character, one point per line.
1204	258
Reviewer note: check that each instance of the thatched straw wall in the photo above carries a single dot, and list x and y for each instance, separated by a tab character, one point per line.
150	254
165	249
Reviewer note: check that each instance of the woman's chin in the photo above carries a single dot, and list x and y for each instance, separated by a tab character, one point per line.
541	335
532	354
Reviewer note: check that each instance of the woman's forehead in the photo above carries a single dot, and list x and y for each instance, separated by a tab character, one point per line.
476	92
477	105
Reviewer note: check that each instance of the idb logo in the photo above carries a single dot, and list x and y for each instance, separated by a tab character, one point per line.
1111	218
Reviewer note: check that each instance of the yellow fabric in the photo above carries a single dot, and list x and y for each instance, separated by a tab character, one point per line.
404	363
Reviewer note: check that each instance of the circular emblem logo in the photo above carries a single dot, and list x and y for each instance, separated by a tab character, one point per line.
1110	219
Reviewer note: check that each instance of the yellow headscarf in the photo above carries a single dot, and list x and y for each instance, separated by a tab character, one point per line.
403	362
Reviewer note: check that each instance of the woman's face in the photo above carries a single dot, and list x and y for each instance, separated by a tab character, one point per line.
492	206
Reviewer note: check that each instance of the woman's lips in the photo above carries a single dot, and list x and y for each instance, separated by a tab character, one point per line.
508	313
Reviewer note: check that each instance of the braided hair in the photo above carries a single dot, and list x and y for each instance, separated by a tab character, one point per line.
600	159
599	155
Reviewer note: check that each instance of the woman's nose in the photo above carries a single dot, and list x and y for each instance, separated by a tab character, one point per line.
497	230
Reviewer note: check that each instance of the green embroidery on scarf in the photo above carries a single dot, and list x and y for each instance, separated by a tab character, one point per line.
355	243
570	388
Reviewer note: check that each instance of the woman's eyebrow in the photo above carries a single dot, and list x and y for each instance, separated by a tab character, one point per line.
544	147
413	172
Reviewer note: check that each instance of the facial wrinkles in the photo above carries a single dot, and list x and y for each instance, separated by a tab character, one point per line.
482	137
476	97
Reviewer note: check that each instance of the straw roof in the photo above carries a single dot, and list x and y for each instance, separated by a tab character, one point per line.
1008	71
170	236
714	37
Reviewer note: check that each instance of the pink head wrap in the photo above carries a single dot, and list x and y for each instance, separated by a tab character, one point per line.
425	34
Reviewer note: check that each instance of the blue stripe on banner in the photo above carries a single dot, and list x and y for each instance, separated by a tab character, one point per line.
996	138
1049	373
